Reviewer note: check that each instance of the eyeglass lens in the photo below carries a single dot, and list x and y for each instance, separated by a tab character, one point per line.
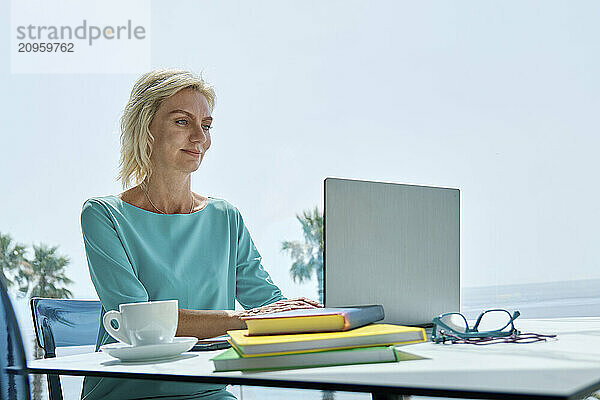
455	321
495	320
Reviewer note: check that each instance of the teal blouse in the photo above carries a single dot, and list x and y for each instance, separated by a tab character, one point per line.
205	260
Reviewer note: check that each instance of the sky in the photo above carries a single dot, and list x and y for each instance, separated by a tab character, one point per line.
498	99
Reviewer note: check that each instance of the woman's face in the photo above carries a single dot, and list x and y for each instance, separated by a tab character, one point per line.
181	130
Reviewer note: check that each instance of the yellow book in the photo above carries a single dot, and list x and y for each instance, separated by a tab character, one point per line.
314	320
365	336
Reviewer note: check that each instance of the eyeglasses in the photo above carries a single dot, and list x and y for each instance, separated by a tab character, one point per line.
495	323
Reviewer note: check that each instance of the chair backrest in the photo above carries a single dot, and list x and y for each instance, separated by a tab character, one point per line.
14	384
65	322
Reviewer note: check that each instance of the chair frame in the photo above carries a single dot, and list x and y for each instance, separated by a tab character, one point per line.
17	360
45	337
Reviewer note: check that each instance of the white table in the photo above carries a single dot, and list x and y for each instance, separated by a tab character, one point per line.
567	368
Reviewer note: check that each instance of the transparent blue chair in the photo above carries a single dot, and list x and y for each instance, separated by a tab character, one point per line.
64	323
14	381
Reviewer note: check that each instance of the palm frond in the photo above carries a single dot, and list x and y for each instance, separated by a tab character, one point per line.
12	256
46	275
300	272
307	256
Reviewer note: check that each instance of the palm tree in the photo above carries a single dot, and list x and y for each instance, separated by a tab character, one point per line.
44	276
308	257
12	258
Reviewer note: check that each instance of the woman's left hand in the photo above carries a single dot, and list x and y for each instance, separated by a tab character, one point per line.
282	305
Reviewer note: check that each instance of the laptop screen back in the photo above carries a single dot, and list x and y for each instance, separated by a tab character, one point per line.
392	244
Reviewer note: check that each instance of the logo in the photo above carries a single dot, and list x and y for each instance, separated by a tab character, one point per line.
82	32
73	36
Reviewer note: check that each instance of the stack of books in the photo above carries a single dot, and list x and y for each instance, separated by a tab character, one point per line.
316	337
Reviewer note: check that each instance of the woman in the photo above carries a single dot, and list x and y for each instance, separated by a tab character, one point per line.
159	240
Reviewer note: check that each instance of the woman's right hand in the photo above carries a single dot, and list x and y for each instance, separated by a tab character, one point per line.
281	305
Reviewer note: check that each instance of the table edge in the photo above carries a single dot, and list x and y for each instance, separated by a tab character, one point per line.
293	384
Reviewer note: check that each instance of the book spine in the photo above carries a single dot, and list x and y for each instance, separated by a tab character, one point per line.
363	317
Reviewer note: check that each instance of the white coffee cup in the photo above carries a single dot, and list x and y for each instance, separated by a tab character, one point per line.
140	324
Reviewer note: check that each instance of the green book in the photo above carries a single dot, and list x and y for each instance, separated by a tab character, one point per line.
230	360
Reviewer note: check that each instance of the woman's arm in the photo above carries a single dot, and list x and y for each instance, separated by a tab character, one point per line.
254	286
208	323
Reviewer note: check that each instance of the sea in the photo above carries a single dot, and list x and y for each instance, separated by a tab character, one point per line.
576	298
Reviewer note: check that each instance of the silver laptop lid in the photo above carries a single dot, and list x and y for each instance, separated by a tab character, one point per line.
392	244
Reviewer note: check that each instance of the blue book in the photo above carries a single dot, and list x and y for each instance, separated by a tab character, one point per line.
330	319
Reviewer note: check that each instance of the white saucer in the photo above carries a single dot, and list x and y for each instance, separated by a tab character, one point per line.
126	352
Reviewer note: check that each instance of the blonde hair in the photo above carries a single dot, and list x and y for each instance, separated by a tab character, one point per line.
148	93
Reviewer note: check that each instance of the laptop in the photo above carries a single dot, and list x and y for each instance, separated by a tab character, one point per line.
392	244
